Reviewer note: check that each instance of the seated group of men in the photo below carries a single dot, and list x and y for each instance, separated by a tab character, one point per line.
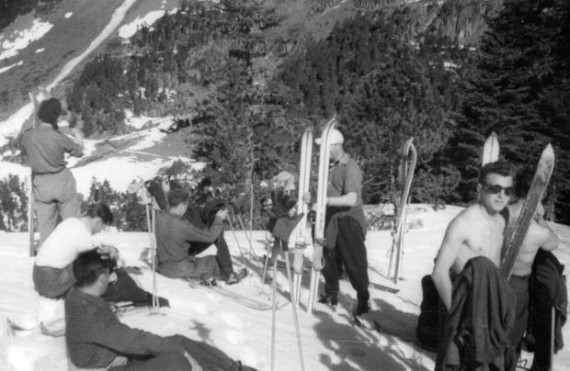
69	266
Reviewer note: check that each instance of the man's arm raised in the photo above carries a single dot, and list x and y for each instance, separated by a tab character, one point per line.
446	256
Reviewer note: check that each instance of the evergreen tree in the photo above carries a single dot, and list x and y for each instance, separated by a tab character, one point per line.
516	69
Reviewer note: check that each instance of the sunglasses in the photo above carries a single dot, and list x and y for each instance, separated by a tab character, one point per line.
495	188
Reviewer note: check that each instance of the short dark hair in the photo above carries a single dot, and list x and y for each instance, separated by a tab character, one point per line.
177	196
500	167
102	211
89	265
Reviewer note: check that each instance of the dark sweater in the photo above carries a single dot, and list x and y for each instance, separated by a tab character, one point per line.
481	316
174	236
95	336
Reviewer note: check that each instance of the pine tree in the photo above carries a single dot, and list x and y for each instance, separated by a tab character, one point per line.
515	70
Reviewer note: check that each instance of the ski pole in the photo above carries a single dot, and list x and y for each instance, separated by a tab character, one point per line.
294	308
552	336
273	312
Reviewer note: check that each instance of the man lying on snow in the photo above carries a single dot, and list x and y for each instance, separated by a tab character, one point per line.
466	274
53	275
96	339
181	235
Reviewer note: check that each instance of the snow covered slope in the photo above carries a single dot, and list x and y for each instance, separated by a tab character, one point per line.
330	342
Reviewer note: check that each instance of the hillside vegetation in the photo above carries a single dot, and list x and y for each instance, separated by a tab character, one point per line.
248	78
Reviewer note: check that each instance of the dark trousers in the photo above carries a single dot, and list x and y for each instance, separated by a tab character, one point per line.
520	288
207	356
349	251
223	256
126	289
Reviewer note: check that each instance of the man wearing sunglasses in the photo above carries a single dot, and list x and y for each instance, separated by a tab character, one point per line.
472	245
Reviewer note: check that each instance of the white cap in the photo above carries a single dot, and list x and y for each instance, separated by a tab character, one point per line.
335	138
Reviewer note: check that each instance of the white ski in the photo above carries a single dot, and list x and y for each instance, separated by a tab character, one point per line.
301	238
318	263
491	150
407	167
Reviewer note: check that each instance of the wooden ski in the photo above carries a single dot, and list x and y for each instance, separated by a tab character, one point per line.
31	196
407	168
491	150
516	232
324	157
301	238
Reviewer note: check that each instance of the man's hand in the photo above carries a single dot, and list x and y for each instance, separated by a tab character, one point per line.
307	198
109	250
78	136
193	363
222	214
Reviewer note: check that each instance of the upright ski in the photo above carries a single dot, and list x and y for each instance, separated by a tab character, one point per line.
491	150
301	239
516	232
31	197
318	263
407	167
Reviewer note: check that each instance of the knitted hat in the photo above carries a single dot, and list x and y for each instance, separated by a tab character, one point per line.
49	111
336	137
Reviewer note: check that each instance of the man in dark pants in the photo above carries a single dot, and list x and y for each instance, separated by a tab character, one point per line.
539	235
345	228
201	218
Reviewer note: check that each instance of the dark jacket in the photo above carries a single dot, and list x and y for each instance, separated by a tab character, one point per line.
481	316
280	223
95	336
547	289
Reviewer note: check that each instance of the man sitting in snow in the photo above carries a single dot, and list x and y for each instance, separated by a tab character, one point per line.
96	339
179	241
481	307
53	275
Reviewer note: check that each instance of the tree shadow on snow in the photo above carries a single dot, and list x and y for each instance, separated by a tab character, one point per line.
360	349
399	324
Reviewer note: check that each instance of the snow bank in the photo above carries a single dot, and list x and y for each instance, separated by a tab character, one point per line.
19	40
127	31
7	68
138	122
10	168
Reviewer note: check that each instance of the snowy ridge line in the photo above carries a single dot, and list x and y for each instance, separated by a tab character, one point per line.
12	125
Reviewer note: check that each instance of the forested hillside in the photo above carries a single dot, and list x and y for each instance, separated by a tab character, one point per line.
247	78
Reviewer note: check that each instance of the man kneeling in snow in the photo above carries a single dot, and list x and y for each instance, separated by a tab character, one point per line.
96	339
53	275
178	241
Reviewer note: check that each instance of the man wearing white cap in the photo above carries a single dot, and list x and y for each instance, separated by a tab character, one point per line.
345	227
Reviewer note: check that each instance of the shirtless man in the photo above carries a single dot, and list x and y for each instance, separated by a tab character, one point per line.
477	230
539	235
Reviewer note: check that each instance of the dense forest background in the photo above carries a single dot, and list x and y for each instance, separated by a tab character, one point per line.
248	92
